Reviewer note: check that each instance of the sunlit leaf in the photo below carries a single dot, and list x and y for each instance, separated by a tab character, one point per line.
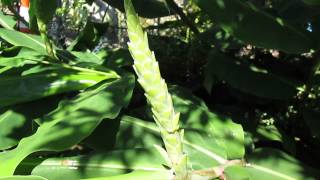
16	88
6	21
106	164
24	40
71	122
23	178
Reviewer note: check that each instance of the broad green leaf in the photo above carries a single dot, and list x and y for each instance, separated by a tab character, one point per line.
138	175
145	8
106	131
184	96
202	147
119	58
87	57
248	78
269	133
9	122
43	9
23	178
209	139
254	26
24	40
16	88
71	122
312	118
236	173
273	164
106	164
228	135
6	21
22	58
16	121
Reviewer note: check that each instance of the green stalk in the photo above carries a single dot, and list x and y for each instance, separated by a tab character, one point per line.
43	32
156	91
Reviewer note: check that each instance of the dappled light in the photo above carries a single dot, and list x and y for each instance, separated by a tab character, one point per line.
159	89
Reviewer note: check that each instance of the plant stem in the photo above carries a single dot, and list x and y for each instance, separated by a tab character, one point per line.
43	32
156	91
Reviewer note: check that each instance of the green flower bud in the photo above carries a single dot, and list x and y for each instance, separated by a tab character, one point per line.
157	94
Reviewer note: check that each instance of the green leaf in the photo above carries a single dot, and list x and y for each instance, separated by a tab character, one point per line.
24	40
10	121
16	121
138	175
71	122
17	88
209	139
248	78
269	133
195	115
236	173
23	178
203	149
6	21
87	57
106	164
145	8
22	58
273	164
254	26
44	10
119	58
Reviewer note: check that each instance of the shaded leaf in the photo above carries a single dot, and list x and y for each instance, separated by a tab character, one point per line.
9	122
17	121
254	26
22	58
145	8
273	164
248	78
44	10
71	122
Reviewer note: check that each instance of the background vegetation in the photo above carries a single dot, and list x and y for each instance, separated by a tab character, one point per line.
244	74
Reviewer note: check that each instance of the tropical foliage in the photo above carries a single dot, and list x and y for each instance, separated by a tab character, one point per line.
231	92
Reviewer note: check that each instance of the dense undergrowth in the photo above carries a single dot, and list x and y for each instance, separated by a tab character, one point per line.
243	77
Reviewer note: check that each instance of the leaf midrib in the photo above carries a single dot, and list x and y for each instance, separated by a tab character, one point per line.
212	155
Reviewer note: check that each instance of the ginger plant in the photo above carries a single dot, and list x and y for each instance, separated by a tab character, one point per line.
156	92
